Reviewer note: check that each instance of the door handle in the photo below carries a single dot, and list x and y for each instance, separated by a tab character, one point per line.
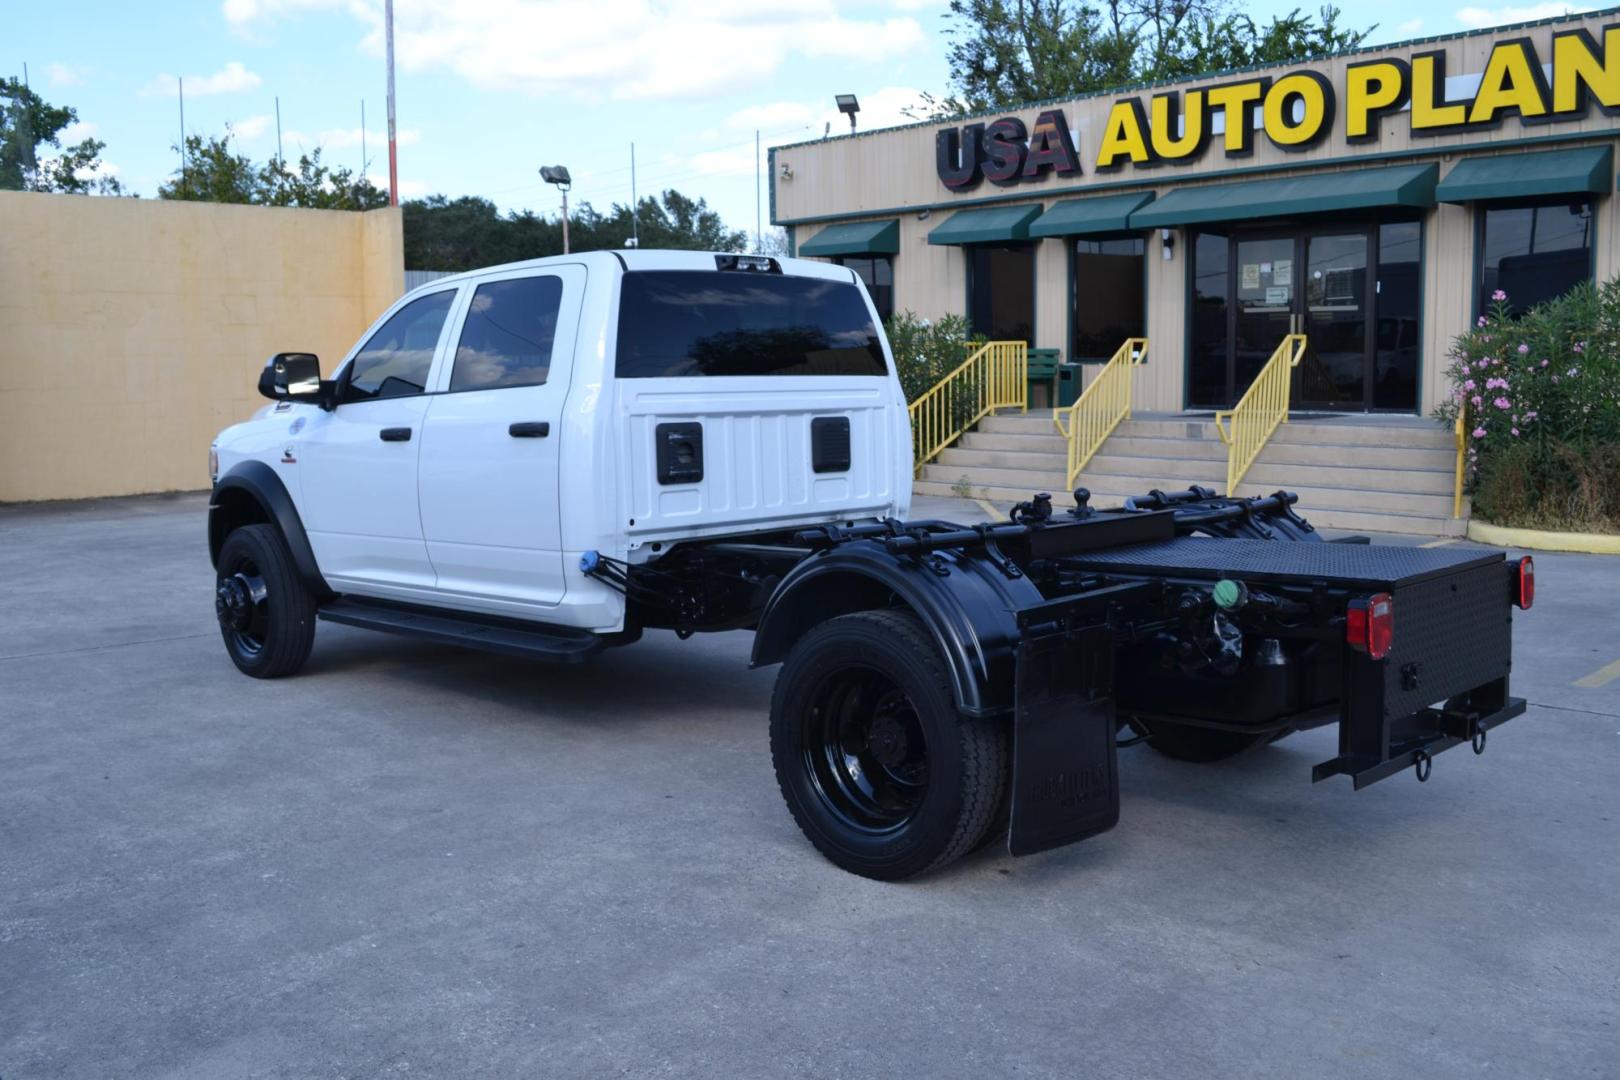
530	429
395	434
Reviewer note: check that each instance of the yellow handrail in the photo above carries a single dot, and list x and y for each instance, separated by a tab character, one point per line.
995	376
1246	426
1100	407
1462	448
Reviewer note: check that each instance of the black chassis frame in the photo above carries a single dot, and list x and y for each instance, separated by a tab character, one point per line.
1033	628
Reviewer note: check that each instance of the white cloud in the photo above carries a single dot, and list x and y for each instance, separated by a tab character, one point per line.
252	127
233	78
879	108
77	132
1478	18
408	189
61	74
344	138
1410	26
628	49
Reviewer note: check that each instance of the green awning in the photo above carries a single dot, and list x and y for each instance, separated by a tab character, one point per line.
1397	185
986	225
855	238
1086	217
1517	176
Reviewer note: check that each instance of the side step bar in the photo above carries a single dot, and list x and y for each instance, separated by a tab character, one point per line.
510	637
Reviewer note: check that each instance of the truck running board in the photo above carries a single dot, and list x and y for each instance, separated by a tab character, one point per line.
511	637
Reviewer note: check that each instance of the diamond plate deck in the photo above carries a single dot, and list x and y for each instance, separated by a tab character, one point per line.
1356	565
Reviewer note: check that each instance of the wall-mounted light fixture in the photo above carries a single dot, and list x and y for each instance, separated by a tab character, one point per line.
1167	244
787	171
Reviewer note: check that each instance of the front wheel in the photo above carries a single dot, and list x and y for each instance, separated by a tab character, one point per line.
882	773
266	613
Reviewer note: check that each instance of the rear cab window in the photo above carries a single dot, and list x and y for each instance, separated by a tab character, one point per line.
685	323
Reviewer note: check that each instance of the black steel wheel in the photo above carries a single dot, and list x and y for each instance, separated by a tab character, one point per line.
882	773
266	614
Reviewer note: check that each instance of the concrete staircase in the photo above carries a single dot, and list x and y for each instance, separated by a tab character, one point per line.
1356	472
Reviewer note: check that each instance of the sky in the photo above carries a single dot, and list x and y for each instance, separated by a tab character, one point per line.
490	90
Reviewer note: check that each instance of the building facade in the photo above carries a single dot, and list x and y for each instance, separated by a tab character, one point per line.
1373	200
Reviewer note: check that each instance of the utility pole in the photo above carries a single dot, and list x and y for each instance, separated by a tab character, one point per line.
364	163
393	154
759	227
180	84
635	208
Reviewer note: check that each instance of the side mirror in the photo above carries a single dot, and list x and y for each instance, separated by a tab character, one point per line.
293	376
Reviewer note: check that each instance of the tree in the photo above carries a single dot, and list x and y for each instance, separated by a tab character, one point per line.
213	171
470	232
28	123
1006	53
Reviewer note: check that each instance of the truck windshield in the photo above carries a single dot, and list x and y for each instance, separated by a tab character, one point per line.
675	323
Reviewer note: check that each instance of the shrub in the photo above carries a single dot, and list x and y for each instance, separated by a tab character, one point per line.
1540	394
927	351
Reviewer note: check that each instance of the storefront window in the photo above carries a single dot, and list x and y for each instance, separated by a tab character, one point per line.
1001	289
1109	293
878	274
1534	252
1207	381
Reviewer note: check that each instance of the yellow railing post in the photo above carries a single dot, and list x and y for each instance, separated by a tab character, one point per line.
1246	426
1461	434
994	377
1100	407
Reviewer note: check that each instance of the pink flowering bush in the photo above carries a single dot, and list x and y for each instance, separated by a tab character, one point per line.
1541	395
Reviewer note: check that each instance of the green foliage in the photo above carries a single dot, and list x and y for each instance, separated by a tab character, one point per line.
215	172
1541	396
1005	53
926	351
28	123
470	232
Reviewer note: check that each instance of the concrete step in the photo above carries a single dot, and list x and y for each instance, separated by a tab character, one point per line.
1124	444
1361	499
1324	517
1120	471
1348	432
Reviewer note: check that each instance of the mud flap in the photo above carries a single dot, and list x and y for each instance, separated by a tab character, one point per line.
1065	767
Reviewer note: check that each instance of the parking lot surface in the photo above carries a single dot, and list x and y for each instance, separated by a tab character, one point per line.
413	860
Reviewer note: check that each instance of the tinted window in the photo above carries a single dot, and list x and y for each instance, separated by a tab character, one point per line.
396	360
1207	384
878	275
506	340
710	322
1109	296
1534	253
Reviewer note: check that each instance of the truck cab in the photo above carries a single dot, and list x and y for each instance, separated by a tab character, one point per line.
493	427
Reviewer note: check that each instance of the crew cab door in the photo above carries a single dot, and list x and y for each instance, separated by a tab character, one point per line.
488	474
358	462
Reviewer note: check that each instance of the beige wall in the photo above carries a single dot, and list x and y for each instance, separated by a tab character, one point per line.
132	330
892	173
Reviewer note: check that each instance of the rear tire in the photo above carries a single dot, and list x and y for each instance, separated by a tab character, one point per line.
1184	742
882	773
266	613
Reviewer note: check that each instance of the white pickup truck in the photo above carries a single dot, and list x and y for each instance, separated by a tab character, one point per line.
547	458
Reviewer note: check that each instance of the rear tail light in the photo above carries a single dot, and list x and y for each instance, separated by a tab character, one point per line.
1524	584
1369	625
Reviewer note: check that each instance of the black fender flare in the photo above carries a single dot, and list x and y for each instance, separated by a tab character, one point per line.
258	481
968	603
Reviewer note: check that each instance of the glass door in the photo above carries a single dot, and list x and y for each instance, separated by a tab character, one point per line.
1334	309
1266	294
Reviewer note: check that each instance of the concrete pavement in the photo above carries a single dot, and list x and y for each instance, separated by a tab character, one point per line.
420	861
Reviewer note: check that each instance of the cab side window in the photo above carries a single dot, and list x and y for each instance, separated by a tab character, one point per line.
395	361
508	334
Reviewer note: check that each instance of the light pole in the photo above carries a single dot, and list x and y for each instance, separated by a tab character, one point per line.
848	106
558	174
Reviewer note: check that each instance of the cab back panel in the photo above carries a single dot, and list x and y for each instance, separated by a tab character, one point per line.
755	452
